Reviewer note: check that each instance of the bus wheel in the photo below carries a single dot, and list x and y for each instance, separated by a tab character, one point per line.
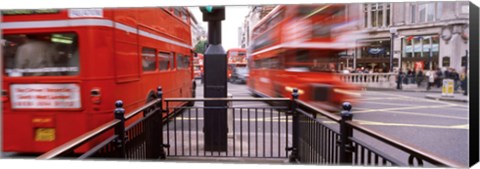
151	108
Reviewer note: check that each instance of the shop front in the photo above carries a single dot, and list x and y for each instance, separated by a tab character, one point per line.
420	52
374	55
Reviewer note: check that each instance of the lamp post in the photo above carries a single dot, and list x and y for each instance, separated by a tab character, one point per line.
393	32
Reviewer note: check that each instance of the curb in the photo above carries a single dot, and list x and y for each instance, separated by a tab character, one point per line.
446	98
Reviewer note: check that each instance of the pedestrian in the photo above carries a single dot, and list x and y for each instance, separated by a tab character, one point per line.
438	77
431	79
419	77
463	78
410	76
456	79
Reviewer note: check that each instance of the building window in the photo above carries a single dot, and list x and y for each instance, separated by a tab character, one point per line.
373	15
439	10
413	13
422	46
446	61
387	14
379	14
365	14
427	12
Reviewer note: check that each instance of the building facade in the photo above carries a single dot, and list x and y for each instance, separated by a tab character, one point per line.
198	32
255	14
424	35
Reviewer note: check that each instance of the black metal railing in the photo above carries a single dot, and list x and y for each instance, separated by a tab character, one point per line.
255	129
325	138
289	129
140	140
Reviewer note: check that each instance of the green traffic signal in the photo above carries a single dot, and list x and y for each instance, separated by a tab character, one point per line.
209	9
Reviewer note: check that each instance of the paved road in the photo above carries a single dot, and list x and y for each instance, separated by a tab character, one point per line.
437	126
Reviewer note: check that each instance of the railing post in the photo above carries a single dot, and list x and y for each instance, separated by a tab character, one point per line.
295	124
120	129
163	155
346	131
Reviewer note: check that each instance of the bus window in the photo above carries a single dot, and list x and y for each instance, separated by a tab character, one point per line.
46	54
148	59
182	61
164	60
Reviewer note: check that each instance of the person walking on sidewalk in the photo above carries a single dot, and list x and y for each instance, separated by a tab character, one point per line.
431	79
419	77
438	77
456	79
463	79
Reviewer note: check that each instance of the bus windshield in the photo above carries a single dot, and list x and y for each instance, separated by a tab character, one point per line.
44	54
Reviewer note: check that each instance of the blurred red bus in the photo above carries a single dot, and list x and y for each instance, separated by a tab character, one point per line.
198	66
236	57
296	46
64	69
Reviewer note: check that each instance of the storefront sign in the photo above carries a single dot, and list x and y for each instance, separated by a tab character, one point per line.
38	96
376	51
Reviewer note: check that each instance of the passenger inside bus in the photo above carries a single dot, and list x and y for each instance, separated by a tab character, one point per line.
36	53
41	54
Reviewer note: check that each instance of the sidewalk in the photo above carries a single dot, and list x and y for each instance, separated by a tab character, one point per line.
455	98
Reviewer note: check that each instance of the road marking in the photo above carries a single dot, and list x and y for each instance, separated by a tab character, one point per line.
392	104
373	123
378	98
464	126
399	108
422	99
252	120
430	115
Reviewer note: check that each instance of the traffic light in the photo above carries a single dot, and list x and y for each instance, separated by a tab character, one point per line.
213	13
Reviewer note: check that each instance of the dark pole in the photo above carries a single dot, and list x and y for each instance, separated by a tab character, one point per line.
391	52
119	113
465	92
215	79
214	32
399	81
346	131
294	156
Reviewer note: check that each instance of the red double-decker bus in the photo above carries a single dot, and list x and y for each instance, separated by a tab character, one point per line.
297	46
64	69
198	66
236	57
